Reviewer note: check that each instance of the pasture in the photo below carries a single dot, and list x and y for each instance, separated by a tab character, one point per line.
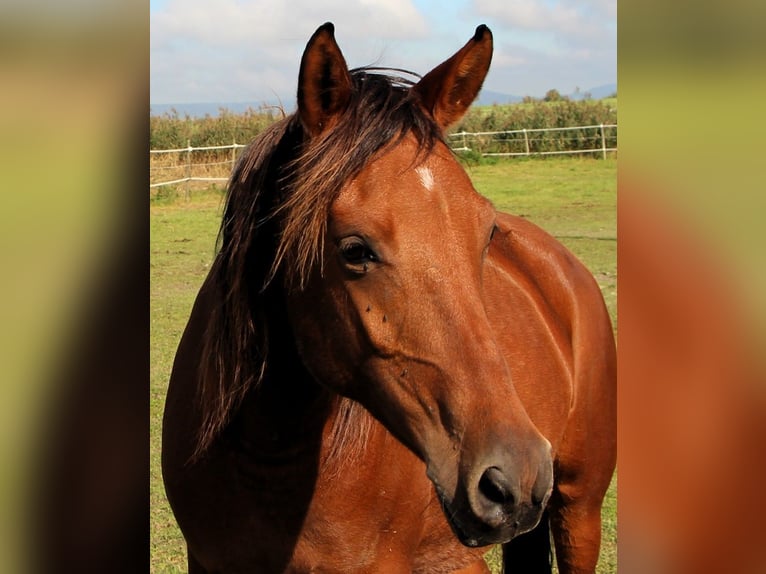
574	199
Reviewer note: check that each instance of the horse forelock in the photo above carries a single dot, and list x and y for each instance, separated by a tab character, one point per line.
274	225
380	114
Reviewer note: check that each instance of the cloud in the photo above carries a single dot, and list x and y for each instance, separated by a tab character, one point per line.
565	19
260	22
250	50
543	44
240	50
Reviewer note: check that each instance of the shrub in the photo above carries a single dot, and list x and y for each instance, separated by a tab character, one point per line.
536	114
171	131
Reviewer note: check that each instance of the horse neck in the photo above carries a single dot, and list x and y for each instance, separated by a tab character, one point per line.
290	415
286	413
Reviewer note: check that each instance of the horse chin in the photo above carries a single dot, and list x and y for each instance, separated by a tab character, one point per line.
472	532
468	529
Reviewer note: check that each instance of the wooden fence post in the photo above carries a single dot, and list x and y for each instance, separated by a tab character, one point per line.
526	141
188	169
603	143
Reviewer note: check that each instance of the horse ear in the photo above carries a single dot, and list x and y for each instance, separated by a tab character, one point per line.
448	90
324	82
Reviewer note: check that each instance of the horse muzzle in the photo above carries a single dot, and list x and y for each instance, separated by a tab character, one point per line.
499	499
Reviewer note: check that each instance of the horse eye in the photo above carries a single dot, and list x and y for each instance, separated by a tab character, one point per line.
357	253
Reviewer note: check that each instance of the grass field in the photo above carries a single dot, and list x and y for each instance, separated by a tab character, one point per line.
572	198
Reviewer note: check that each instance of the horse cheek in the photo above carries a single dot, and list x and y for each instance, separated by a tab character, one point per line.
329	354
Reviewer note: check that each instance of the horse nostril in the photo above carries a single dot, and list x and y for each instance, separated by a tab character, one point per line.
494	486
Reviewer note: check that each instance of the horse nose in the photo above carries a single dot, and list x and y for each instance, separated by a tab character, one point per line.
504	500
496	494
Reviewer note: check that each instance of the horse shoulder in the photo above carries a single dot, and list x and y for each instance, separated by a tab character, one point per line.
182	417
551	320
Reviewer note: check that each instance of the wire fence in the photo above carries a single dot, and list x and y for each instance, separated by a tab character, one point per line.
200	166
599	140
190	164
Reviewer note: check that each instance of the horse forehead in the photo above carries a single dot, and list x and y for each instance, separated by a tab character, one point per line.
397	182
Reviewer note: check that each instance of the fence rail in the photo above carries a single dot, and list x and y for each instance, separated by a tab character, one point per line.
595	139
213	163
191	149
157	166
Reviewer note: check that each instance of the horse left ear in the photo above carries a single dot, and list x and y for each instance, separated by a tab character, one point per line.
448	90
324	82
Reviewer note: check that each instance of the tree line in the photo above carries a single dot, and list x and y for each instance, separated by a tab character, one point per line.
172	130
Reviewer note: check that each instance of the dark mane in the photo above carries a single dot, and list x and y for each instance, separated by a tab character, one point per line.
274	224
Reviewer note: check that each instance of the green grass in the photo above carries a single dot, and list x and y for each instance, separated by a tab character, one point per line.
573	199
182	247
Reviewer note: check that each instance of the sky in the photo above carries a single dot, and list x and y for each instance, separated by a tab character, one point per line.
249	50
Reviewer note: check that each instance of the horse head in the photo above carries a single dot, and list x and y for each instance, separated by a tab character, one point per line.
389	310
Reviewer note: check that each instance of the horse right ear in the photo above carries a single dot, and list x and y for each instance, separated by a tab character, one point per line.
324	82
447	91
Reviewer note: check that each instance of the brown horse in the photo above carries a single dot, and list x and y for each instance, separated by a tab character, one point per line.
381	373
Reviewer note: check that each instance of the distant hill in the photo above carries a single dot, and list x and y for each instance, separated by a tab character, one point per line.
596	93
486	98
489	98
